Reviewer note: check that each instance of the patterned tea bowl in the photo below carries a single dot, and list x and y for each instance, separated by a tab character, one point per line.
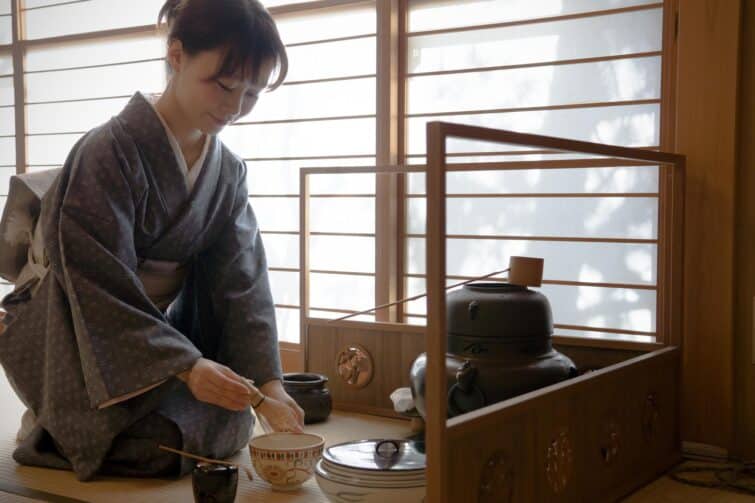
286	460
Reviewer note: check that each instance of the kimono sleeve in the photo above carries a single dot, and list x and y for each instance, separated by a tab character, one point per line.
241	297
125	342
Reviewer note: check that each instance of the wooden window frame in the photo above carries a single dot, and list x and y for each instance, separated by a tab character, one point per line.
703	129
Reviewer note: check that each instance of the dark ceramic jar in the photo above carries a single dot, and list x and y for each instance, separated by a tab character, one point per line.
213	483
499	346
309	391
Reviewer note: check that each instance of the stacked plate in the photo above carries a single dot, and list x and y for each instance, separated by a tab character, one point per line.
373	471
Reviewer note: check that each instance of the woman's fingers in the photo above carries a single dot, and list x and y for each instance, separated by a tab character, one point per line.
299	413
280	415
213	383
207	392
230	382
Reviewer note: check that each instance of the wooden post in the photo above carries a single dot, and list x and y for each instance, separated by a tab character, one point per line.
435	338
19	94
707	81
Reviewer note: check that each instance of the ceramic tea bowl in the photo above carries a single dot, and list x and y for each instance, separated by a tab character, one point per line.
286	460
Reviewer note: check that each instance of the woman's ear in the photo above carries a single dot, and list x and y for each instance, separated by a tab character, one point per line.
175	55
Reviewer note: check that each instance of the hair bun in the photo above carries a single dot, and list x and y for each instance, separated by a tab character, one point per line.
170	11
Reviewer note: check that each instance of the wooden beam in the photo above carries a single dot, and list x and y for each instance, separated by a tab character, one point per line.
435	338
386	184
19	95
708	62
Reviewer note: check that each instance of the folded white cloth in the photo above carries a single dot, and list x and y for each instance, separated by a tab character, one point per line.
402	400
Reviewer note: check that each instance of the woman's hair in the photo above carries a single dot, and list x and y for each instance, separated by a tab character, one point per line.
243	28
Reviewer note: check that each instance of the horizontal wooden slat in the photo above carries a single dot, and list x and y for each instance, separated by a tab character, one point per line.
329	79
555	62
310	158
295	7
381	326
543	238
539	20
313	196
332	310
102	65
287	306
604	330
603	162
324	271
342	273
544	194
69	2
592	342
57	133
632	286
599	330
78	100
344	234
305	119
329	40
453	130
509	152
282	233
571	106
149	29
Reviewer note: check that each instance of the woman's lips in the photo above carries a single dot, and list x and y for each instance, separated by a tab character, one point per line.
219	122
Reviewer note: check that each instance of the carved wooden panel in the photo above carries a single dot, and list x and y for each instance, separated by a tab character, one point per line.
392	350
572	442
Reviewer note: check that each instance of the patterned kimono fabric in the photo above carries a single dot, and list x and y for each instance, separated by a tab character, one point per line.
84	337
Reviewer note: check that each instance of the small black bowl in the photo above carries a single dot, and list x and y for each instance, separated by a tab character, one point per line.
309	391
213	483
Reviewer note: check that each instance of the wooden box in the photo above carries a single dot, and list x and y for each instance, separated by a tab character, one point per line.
595	437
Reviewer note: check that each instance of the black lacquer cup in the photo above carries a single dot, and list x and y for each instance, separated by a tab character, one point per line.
213	483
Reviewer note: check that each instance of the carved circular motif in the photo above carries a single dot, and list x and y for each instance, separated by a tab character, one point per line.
497	480
559	462
650	416
354	365
610	442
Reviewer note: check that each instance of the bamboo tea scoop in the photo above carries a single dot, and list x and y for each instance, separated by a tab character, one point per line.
185	454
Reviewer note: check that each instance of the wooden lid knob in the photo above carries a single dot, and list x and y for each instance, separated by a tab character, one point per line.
526	271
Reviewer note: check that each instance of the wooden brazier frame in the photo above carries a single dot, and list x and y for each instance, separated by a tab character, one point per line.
596	437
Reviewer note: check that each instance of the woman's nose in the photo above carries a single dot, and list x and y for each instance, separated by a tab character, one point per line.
233	104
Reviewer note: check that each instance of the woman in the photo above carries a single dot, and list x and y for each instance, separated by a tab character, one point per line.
145	303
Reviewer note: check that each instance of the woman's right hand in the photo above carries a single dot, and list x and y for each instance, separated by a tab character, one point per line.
278	415
216	384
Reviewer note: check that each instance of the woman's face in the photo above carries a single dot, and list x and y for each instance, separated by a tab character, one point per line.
208	103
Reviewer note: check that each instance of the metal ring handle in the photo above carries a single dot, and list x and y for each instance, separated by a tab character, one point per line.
396	448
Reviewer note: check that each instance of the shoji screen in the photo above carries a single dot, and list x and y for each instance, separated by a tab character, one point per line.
585	69
73	86
323	115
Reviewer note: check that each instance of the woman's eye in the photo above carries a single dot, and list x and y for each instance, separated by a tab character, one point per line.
222	86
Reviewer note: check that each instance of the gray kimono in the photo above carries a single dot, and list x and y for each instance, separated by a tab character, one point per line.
90	334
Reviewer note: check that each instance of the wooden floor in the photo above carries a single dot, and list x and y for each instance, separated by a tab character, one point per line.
666	490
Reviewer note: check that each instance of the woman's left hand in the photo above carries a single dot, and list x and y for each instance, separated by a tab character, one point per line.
274	389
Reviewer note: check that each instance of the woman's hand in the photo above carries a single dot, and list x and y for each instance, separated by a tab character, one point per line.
214	383
279	409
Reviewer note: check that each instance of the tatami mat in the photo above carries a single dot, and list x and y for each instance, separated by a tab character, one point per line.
340	427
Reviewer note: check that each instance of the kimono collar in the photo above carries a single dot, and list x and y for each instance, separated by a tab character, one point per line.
142	123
